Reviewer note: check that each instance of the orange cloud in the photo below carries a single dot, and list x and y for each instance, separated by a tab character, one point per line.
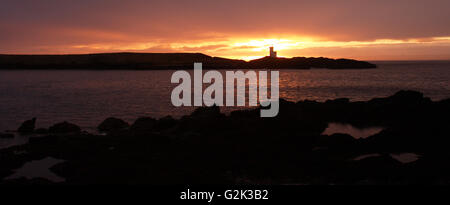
235	28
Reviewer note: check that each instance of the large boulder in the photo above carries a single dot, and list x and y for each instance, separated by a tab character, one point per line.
143	124
407	96
41	131
6	135
27	126
112	124
402	98
64	127
165	123
206	112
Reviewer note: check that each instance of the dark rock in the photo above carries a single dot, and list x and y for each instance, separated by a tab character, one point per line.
41	131
43	140
165	123
112	124
143	124
64	127
337	139
6	135
405	97
27	126
25	181
206	112
245	148
338	101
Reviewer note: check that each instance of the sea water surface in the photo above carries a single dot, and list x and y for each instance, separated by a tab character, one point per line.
87	97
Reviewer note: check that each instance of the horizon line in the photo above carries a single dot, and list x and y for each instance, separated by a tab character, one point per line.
134	52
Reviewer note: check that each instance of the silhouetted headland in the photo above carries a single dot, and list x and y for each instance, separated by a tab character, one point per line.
159	61
209	147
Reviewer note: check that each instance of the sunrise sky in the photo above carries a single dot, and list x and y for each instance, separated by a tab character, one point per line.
360	29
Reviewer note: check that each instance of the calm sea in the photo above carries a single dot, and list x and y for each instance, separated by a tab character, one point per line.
88	97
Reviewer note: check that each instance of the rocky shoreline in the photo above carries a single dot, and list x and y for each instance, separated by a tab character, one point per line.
209	147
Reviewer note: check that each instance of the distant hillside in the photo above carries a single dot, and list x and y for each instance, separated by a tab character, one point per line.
158	61
306	63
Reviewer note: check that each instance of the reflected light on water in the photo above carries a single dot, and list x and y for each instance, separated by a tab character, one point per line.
357	133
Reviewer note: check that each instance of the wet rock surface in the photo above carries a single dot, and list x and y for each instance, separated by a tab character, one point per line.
208	147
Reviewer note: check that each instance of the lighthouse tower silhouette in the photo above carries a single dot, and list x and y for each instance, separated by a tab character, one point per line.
273	54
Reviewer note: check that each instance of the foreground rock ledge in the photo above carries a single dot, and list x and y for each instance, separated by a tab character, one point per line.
208	147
